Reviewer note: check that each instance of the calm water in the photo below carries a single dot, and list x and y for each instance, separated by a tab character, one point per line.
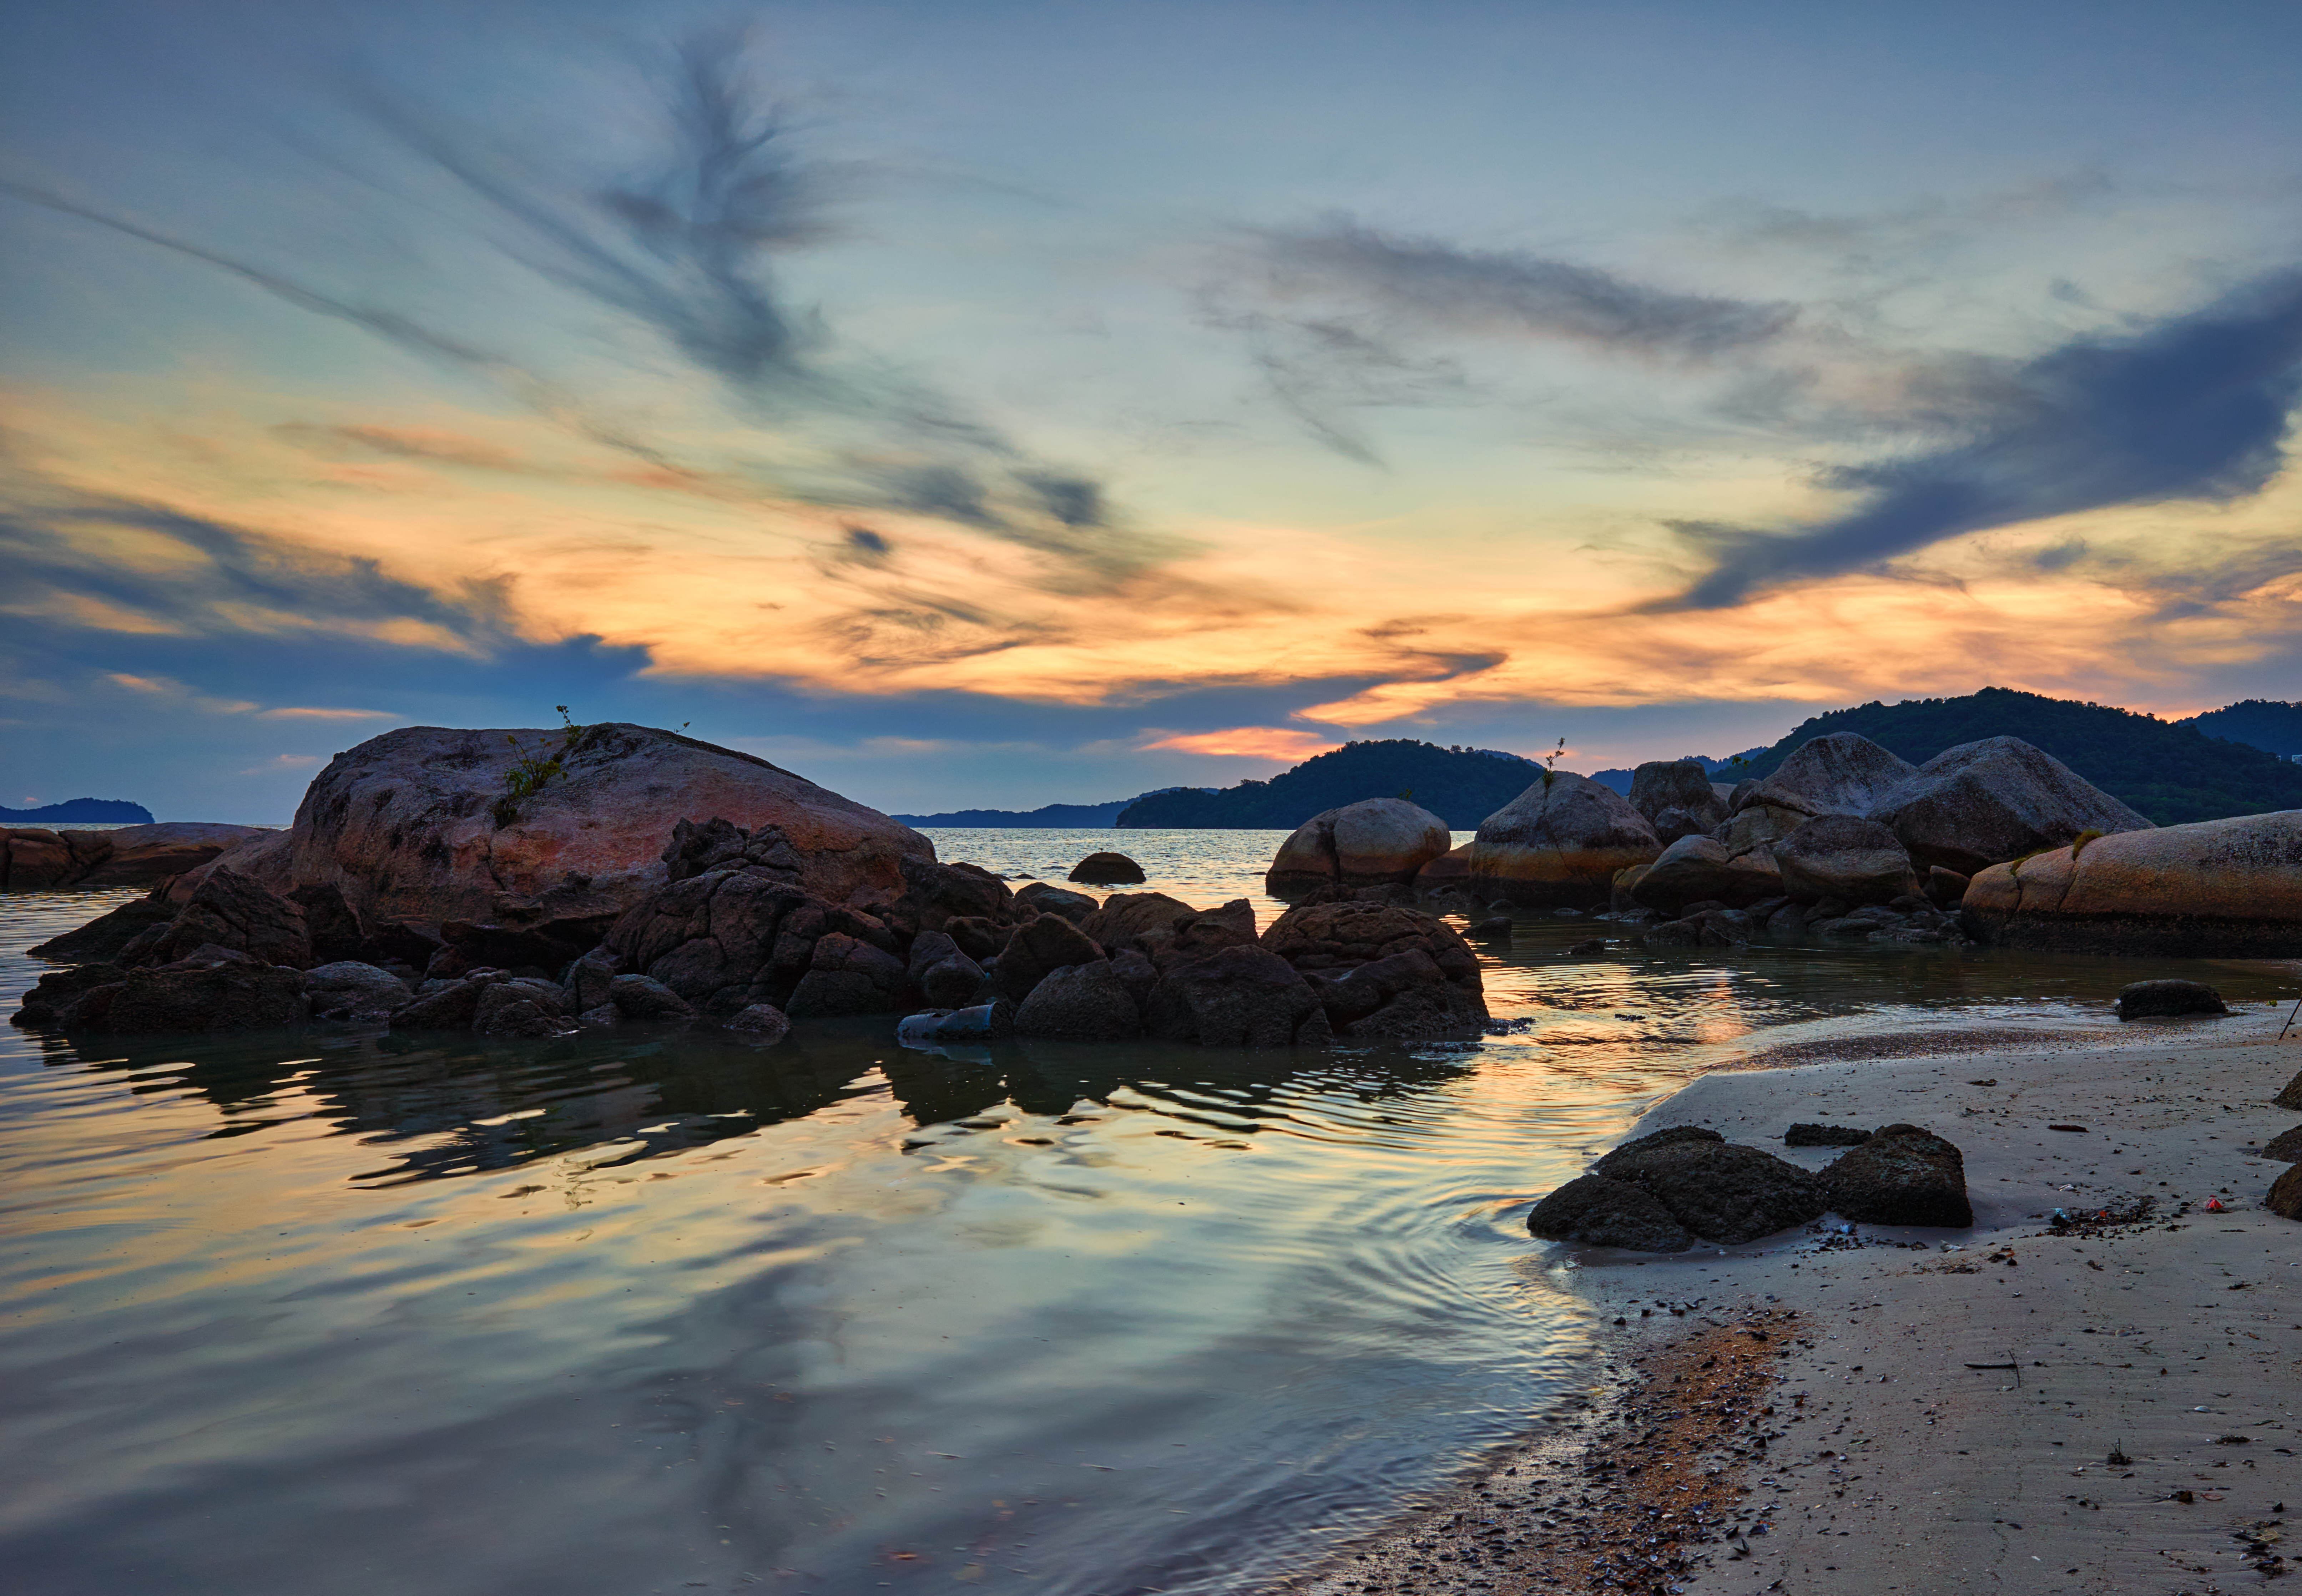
348	1312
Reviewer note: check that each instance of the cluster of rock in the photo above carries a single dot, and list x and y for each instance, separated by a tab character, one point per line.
1993	841
33	859
1664	1192
1144	964
411	891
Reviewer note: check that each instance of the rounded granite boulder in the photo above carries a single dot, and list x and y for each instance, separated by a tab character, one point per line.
1367	843
1558	845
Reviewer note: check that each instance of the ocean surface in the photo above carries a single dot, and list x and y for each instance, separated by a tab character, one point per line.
337	1312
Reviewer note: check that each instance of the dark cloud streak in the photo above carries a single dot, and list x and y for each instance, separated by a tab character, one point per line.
2192	408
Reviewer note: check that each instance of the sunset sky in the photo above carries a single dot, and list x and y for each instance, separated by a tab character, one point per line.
1005	404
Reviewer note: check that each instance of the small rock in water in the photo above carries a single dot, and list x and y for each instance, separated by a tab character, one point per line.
2153	998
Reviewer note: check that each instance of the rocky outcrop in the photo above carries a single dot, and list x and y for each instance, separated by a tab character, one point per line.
1843	857
1982	803
2167	999
1842	774
2286	1147
1367	843
1900	1175
1145	921
846	974
49	1004
2285	1197
418	824
935	894
1107	869
350	990
1677	798
1698	868
1597	1212
1558	844
1043	946
2213	889
1383	972
1237	997
103	938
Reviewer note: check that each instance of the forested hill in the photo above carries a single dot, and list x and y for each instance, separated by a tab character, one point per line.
1461	785
2263	722
82	811
2171	772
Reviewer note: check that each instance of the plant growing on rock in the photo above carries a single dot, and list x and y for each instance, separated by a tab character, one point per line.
1549	760
530	774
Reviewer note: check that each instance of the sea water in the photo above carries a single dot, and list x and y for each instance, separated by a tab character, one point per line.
342	1312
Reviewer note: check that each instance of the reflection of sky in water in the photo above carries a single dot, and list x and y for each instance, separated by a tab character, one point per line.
337	1313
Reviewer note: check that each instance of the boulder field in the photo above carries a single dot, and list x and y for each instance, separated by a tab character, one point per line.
820	909
1844	827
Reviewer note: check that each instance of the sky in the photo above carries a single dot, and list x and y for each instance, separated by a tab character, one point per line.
1009	404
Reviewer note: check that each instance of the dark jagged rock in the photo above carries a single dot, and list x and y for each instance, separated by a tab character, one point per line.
1824	1136
1671	1135
1847	858
1233	925
1597	1212
935	894
977	938
1723	1192
446	1008
229	910
1901	1176
847	975
332	925
642	997
1945	887
1081	1003
50	1001
1237	997
1107	869
726	939
1385	973
224	991
35	859
1145	921
1677	798
2146	999
520	1008
2286	1146
587	978
1048	943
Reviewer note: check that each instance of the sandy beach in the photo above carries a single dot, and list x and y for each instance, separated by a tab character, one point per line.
2100	1404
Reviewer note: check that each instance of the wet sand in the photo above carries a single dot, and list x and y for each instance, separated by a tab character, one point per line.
2106	1404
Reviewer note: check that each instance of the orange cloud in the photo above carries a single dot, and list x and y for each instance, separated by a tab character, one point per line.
1250	742
298	712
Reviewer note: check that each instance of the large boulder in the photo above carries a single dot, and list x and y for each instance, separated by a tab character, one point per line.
1722	1191
1981	803
425	823
1677	798
1365	843
1081	1003
1559	843
1040	898
1145	921
846	975
1599	1212
1840	774
1901	1176
2140	1000
1237	997
727	939
935	894
268	858
34	859
1107	869
1698	868
1843	857
2212	889
351	990
1383	972
139	855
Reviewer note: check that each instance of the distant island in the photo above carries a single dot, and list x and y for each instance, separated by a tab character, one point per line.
1075	816
1461	785
84	811
2172	771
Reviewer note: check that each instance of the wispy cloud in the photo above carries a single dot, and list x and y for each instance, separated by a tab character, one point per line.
1248	742
2194	407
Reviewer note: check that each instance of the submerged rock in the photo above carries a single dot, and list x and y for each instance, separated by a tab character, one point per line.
1236	997
218	990
1081	1003
2169	997
1107	869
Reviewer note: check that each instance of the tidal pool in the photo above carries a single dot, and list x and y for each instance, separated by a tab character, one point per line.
339	1311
